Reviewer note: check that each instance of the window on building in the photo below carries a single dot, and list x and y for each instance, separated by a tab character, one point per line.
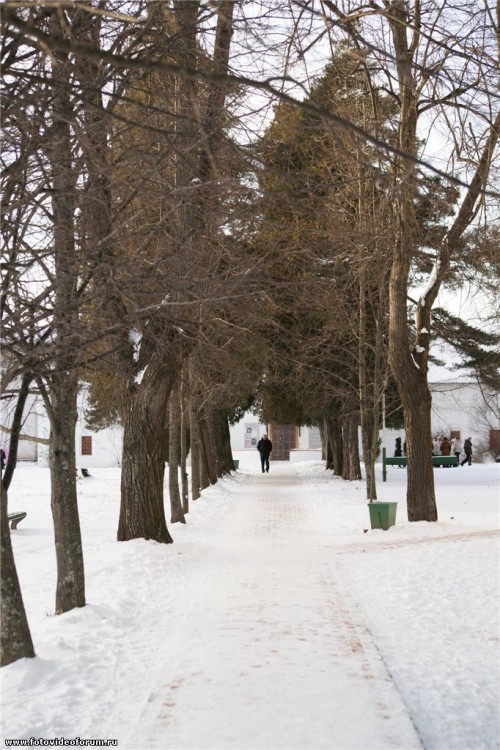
251	434
86	445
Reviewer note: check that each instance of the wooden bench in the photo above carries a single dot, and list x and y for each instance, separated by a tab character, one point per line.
15	518
437	461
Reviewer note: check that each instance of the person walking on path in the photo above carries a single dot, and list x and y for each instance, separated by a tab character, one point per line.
265	447
467	451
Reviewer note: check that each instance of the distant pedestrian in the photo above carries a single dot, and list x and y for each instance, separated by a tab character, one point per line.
3	458
435	447
445	447
265	447
456	448
467	451
398	451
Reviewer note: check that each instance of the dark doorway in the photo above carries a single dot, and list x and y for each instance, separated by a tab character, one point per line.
495	442
283	438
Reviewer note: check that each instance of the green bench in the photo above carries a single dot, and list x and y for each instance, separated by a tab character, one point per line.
395	461
444	461
402	461
15	518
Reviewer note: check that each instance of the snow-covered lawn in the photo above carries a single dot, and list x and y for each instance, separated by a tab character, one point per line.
277	619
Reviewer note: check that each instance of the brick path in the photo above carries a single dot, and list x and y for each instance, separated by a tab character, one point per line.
271	653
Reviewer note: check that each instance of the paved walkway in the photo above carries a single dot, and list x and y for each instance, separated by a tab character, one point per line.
280	657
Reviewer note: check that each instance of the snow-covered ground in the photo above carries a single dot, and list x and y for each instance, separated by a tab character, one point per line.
277	619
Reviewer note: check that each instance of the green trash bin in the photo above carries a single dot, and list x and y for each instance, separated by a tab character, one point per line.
382	515
236	463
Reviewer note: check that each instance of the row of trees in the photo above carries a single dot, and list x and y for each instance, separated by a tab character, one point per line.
157	251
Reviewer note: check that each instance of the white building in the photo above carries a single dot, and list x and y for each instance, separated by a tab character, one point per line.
289	442
458	408
94	449
461	409
28	450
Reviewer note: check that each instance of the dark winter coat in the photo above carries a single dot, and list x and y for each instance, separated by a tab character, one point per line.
445	447
468	447
265	447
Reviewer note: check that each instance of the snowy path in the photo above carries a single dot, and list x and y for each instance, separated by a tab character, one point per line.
271	650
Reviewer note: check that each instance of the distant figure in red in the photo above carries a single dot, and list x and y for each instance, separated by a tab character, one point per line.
445	447
264	446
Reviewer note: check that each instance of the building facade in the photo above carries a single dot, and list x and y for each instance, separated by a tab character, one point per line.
458	408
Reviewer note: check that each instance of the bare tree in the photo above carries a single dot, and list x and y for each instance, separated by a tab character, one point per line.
16	642
409	360
434	78
60	388
41	304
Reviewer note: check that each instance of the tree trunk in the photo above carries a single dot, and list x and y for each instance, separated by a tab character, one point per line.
365	403
184	447
416	400
417	418
195	450
208	450
204	475
61	397
223	443
70	591
142	512
372	377
15	636
336	444
228	461
15	429
324	443
368	430
351	463
176	510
